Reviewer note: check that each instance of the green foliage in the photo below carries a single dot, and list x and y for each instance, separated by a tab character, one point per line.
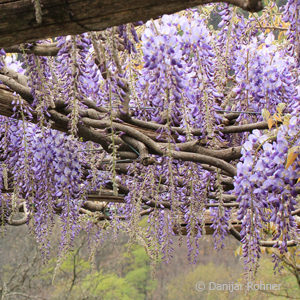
67	266
184	286
77	279
108	286
139	273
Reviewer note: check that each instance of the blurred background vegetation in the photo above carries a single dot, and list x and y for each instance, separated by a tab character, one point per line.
117	270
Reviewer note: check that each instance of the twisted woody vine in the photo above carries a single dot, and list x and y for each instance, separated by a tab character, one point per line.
192	125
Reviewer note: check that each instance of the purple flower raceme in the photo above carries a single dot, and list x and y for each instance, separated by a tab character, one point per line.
44	163
128	35
40	81
177	80
291	12
172	188
4	201
78	77
262	74
266	187
220	225
231	35
2	55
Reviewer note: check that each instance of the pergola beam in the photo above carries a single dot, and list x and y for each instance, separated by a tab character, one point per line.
21	22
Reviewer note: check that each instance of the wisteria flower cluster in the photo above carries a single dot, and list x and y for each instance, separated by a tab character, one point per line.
266	188
264	76
291	15
178	72
46	166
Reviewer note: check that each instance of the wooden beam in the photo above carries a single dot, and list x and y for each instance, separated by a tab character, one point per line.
19	23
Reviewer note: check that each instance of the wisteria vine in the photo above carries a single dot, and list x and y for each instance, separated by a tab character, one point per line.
192	124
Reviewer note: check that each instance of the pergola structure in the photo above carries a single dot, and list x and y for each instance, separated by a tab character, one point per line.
27	21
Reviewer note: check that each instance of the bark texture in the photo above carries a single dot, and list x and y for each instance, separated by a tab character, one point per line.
22	22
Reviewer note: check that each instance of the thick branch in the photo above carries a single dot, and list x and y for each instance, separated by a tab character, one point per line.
88	133
41	50
21	79
19	88
186	156
245	127
237	235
